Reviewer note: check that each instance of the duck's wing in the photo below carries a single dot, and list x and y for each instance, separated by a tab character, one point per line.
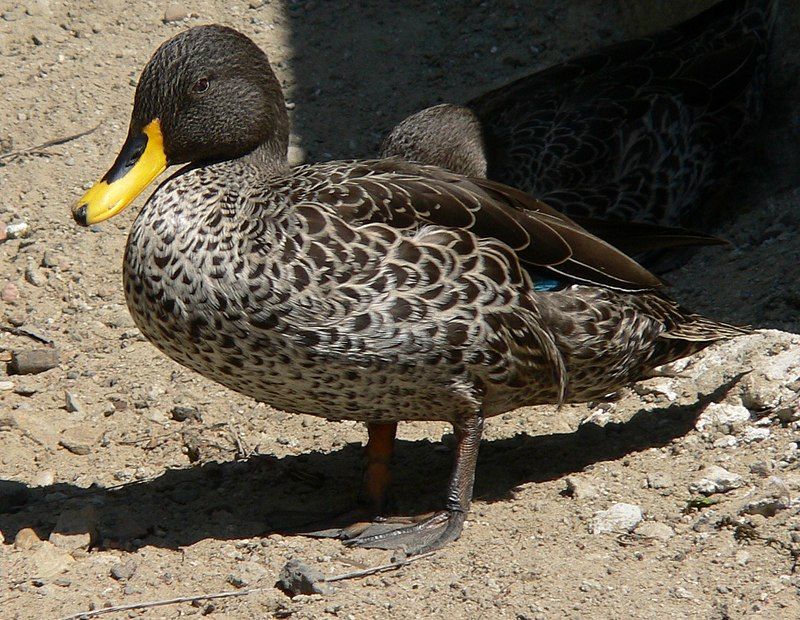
407	196
637	128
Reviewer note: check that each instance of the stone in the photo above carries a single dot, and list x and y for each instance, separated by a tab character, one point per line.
659	480
758	393
33	361
6	386
26	538
181	414
774	497
247	574
75	528
296	577
580	489
71	402
43	479
35	276
753	434
655	530
716	480
175	12
79	440
10	293
295	155
722	417
49	561
620	517
122	571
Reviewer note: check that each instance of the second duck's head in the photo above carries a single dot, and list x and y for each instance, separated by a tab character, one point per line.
207	94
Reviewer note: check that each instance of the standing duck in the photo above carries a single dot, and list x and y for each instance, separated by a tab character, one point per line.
379	291
645	131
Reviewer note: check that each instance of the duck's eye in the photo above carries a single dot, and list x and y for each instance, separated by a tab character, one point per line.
200	86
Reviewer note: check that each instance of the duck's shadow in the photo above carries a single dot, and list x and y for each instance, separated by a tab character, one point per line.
253	497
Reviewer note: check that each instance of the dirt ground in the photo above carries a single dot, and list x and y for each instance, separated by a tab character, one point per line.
125	478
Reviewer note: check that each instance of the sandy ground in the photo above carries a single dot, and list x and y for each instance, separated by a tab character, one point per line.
107	497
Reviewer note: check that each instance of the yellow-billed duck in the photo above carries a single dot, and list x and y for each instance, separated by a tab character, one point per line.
379	291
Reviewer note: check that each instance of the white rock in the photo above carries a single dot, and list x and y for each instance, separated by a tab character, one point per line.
716	480
722	417
620	517
726	441
753	434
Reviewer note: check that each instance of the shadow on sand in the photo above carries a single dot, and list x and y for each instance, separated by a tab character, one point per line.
263	494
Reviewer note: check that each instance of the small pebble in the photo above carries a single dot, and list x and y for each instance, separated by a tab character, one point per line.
10	293
579	488
26	538
72	404
33	361
35	276
175	12
296	577
122	571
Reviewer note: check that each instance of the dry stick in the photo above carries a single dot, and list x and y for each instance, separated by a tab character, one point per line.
379	569
83	615
47	145
167	601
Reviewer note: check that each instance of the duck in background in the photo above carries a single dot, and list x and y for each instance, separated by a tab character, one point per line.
647	130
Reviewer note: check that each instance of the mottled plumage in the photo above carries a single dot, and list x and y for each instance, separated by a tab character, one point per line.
377	291
645	130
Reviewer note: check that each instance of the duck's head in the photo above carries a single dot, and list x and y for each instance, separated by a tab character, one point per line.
207	94
445	135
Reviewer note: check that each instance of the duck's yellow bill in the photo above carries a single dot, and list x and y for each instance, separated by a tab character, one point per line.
141	160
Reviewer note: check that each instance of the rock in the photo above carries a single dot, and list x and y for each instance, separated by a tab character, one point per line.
71	402
295	155
773	498
79	440
49	561
742	557
580	489
655	530
758	393
181	414
761	468
75	529
256	4
122	571
26	538
788	412
247	574
51	259
296	577
35	276
175	12
722	417
10	293
659	480
5	386
33	361
43	479
753	434
620	517
716	480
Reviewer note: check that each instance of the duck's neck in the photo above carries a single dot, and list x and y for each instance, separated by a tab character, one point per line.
266	161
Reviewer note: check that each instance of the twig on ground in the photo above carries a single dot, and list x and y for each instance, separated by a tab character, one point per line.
158	603
379	569
85	615
39	148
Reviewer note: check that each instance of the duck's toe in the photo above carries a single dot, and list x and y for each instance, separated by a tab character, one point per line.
433	532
